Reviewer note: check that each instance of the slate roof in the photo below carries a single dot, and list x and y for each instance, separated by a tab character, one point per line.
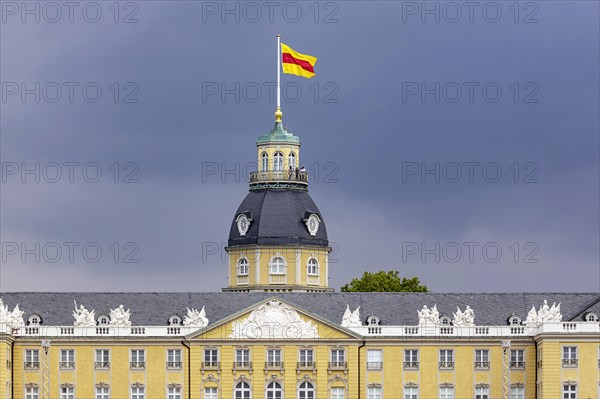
148	309
277	219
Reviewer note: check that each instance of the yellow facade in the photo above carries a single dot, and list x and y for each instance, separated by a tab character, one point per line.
296	274
370	360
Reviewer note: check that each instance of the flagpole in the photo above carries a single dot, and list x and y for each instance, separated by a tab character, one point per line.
278	113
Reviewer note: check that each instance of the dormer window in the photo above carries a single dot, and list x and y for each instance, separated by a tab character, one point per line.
175	320
445	321
373	320
34	320
514	320
265	161
103	320
278	161
591	317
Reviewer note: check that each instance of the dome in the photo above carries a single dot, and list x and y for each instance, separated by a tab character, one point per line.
278	217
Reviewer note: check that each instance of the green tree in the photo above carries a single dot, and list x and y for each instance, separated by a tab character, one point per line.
382	281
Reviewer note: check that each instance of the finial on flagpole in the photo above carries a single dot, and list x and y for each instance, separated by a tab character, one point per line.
278	115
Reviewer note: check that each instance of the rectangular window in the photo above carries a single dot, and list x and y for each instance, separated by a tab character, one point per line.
482	358
67	393
517	358
482	393
338	358
411	358
210	393
374	357
446	392
517	393
138	359
102	393
373	393
137	393
211	358
32	393
174	358
446	358
173	393
102	360
569	391
242	358
305	358
337	393
32	359
273	358
67	358
411	393
569	357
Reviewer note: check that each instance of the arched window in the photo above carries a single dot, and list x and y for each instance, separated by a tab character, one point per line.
242	390
306	391
103	320
265	161
277	266
274	391
292	160
278	162
514	320
243	267
313	267
34	320
445	320
175	320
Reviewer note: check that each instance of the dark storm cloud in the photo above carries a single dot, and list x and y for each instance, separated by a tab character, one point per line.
162	141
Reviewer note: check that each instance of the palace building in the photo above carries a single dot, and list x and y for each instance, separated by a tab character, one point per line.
279	331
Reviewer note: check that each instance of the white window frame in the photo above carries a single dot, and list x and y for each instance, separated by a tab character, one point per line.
67	392
277	265
137	356
482	393
306	390
173	392
102	393
312	268
569	391
569	356
338	355
306	356
517	358
273	388
374	359
137	393
338	393
374	393
243	267
411	392
242	388
265	161
446	358
278	161
32	393
446	392
211	357
101	362
292	160
211	393
174	357
411	358
482	358
517	392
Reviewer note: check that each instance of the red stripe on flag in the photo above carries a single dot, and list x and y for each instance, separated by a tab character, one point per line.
289	59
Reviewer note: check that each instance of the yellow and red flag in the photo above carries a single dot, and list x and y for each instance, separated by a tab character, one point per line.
297	64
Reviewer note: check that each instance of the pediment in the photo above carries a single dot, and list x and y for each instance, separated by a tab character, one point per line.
274	319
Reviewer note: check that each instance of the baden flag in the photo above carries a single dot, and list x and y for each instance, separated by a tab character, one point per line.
297	64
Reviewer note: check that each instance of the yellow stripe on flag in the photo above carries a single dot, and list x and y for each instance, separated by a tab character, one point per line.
297	64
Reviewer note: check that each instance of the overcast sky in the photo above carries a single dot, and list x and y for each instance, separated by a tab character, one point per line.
457	143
